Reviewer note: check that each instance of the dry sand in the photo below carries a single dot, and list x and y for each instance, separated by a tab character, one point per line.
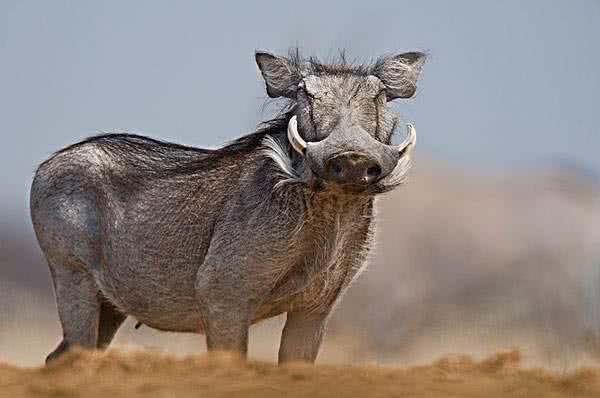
137	374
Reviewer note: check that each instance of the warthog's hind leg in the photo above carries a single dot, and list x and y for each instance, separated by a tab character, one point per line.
78	307
110	321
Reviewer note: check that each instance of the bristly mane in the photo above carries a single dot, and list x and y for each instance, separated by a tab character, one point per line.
160	156
338	65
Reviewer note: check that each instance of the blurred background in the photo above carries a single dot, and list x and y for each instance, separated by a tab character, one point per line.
494	243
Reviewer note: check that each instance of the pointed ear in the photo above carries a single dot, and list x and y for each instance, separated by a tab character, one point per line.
280	77
399	73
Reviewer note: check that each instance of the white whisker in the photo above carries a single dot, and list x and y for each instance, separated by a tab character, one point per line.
280	156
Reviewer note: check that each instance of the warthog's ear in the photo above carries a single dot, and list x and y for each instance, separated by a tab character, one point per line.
399	73
280	77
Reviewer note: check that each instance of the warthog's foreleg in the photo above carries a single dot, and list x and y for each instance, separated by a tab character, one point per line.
302	336
249	252
227	330
228	304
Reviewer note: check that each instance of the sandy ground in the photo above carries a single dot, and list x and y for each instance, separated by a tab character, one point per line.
137	374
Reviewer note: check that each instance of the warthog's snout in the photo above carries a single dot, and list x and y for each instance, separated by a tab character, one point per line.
352	168
351	156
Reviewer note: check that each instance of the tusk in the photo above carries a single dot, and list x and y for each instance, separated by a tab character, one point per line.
292	133
410	141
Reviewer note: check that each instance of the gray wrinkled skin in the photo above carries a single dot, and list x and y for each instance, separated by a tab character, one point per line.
211	241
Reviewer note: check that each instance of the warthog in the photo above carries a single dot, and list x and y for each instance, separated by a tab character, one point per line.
211	241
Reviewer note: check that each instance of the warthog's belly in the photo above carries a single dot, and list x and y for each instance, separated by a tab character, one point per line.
176	309
169	303
190	322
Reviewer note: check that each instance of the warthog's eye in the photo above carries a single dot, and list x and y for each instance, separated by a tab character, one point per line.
311	96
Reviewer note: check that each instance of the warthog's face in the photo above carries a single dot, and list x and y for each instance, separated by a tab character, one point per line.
342	128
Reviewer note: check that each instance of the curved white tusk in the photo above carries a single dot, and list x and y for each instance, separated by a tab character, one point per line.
410	141
292	133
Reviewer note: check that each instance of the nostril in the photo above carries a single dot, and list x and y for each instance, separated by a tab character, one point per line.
374	171
352	168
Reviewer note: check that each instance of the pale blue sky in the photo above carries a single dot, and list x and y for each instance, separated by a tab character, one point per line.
508	84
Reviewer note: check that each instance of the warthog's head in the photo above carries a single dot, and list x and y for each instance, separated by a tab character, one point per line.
341	126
